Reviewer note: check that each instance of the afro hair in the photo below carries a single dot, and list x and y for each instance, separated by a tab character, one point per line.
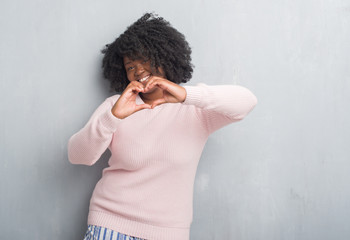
152	38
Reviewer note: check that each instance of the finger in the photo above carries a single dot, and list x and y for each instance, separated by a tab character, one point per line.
142	106
135	85
158	102
130	93
157	82
136	88
149	83
152	80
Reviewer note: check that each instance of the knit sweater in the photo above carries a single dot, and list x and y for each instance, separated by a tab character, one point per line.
147	189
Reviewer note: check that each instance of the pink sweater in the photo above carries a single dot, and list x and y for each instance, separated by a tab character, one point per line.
147	189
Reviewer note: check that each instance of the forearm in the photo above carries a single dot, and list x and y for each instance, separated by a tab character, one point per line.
221	104
87	145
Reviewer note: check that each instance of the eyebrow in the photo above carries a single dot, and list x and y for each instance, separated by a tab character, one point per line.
127	63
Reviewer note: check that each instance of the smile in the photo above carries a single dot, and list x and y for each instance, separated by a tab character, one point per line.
144	78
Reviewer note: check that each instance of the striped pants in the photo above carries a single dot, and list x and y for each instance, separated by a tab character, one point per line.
101	233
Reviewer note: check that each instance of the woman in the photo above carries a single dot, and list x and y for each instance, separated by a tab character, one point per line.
155	130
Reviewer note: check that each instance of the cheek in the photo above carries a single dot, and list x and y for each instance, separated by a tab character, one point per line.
159	73
130	76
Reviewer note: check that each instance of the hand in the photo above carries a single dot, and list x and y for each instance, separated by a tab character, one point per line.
126	104
171	92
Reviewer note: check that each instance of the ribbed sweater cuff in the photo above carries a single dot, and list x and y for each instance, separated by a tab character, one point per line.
194	96
110	121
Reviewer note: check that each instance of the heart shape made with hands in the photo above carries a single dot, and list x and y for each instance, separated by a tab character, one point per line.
156	92
161	91
158	96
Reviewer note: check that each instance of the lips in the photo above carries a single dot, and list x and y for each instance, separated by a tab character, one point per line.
144	79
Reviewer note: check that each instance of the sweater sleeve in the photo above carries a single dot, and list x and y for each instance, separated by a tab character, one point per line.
87	145
220	105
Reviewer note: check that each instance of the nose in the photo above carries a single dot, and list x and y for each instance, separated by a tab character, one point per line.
139	69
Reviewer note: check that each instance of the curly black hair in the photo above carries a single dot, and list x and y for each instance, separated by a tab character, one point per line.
152	38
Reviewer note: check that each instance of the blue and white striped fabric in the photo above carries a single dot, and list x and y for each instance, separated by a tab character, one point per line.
101	233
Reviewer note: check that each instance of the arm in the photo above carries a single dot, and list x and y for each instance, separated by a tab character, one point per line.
221	104
87	145
217	106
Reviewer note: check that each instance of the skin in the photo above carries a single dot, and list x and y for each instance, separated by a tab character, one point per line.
154	91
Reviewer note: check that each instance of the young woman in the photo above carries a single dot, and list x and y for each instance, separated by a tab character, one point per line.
155	130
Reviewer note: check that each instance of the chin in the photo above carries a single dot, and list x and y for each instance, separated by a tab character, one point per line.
151	91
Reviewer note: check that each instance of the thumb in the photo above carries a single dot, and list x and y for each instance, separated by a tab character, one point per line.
158	102
142	106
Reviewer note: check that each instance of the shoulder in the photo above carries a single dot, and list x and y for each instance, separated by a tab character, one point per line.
109	102
112	99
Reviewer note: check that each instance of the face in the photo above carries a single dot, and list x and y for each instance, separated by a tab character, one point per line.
140	70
